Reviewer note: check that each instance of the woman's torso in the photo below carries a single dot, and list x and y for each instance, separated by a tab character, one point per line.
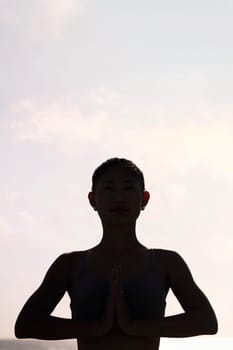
146	285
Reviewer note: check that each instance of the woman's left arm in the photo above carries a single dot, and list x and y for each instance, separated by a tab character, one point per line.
198	317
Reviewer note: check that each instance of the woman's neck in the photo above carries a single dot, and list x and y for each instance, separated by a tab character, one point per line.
119	246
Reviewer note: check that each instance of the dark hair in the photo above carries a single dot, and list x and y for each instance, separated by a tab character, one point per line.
122	162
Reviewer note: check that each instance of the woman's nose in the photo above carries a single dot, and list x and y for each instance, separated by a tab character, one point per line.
118	195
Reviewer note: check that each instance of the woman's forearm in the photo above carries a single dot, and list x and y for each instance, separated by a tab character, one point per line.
182	325
56	328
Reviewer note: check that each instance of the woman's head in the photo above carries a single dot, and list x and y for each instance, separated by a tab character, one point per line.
118	190
122	163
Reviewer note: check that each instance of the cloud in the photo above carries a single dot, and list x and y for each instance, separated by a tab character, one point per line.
30	225
56	13
220	248
55	123
13	196
174	148
7	13
103	96
182	148
177	195
41	18
5	229
28	219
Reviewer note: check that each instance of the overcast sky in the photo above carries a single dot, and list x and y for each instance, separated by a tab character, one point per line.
83	81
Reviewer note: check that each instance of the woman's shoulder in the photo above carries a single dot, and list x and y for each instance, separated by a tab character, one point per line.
67	260
65	265
69	257
164	252
166	256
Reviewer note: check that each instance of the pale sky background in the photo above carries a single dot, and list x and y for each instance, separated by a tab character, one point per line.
83	81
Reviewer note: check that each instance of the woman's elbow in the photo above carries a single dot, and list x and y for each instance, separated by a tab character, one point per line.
211	324
19	333
214	326
22	328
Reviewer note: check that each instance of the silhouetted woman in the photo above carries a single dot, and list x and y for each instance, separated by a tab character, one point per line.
118	288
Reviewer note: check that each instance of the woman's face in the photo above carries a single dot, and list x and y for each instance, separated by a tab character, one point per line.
119	197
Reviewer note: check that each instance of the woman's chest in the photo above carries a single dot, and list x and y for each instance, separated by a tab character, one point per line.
146	266
143	283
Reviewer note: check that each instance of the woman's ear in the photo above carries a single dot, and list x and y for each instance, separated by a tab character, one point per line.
91	198
145	199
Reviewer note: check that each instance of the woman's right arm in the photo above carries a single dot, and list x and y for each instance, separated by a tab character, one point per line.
35	320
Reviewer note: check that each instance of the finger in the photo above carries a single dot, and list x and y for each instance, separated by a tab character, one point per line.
112	284
114	276
118	268
119	288
119	275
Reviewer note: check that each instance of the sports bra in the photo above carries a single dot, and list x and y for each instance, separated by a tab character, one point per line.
144	294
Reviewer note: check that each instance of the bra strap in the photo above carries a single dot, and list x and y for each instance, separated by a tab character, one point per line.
151	257
82	260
